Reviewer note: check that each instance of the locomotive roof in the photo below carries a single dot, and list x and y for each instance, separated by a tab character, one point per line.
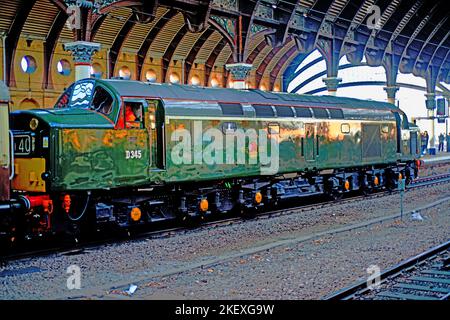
133	88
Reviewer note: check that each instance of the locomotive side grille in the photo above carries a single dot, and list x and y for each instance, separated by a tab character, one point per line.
371	141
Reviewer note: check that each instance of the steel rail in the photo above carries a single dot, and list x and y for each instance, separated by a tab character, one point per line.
361	287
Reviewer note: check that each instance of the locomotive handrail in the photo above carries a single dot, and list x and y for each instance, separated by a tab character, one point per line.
11	155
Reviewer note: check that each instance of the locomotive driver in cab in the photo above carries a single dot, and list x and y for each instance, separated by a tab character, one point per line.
132	117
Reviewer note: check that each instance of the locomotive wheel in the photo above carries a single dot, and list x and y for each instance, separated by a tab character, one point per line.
246	213
336	195
367	190
191	220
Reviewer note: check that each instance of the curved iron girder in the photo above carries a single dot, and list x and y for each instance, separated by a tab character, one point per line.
141	9
399	26
60	4
212	60
346	48
50	45
152	34
97	21
146	12
12	38
195	13
244	22
125	3
433	56
116	47
260	47
329	40
225	35
417	69
330	50
431	76
289	72
276	70
190	58
252	56
283	13
168	54
443	62
263	66
392	51
405	64
371	49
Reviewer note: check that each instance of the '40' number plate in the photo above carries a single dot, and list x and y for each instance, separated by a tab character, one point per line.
22	145
133	154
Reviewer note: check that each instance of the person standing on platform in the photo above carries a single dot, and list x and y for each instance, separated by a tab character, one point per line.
441	142
448	142
424	142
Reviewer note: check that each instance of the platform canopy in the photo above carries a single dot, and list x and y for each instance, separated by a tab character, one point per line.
405	35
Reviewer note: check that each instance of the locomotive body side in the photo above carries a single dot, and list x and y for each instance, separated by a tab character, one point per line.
112	152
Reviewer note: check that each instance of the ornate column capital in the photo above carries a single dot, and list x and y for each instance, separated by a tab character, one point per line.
82	51
332	83
391	91
239	71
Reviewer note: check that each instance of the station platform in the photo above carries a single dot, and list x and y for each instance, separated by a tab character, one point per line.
439	157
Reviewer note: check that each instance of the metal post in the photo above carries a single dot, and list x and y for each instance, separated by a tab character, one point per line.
447	136
401	188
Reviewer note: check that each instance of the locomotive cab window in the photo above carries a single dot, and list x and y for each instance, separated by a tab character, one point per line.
102	101
133	115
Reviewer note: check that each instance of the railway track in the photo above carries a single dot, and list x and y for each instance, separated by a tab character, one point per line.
423	277
77	248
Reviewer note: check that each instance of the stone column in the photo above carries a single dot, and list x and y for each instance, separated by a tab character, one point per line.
430	103
391	91
82	52
332	84
240	72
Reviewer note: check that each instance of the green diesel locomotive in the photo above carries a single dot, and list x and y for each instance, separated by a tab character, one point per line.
130	153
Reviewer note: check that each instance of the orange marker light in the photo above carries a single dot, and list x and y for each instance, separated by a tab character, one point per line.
204	205
258	197
135	214
376	181
347	185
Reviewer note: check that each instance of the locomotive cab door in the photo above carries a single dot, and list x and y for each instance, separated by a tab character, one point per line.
310	142
156	130
134	140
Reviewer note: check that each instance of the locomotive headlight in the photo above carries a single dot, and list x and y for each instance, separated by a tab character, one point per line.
34	124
